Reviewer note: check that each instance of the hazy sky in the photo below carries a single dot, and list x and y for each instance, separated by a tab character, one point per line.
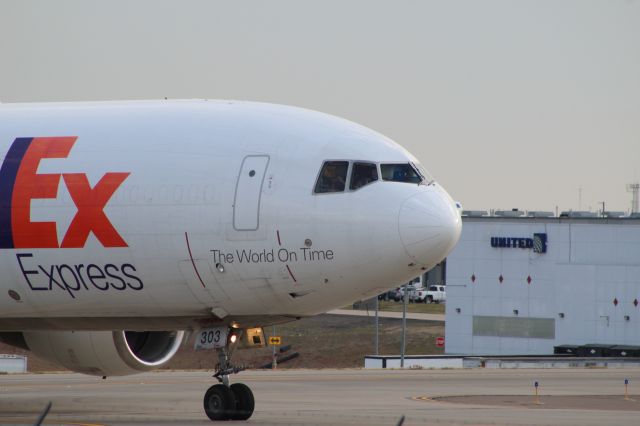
507	103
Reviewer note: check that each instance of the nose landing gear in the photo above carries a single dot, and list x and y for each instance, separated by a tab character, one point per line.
219	402
224	401
244	401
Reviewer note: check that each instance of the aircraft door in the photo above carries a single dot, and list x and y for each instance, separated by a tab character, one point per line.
246	205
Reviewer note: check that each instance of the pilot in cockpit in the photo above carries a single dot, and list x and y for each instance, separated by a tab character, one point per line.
333	177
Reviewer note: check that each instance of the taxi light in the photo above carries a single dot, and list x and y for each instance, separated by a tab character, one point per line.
234	337
252	338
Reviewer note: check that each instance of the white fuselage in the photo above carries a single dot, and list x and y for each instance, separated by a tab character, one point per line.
199	210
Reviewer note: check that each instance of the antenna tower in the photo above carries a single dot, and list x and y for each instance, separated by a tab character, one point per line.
580	197
634	189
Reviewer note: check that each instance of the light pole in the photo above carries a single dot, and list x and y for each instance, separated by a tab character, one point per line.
377	341
405	296
274	361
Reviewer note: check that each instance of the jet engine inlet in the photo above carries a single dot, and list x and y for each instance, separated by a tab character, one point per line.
105	353
147	349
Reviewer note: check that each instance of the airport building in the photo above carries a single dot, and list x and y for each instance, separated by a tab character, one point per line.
523	284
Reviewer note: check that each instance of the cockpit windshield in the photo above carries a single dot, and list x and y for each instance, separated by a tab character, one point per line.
363	174
336	176
404	172
333	177
427	179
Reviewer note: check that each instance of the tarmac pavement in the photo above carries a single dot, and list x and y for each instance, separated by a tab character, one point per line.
579	397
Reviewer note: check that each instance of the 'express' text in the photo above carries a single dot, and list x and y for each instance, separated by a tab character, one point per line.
75	278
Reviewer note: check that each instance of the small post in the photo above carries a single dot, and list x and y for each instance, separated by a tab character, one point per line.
626	390
537	399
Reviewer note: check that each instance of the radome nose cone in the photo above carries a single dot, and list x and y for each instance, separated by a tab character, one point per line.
429	226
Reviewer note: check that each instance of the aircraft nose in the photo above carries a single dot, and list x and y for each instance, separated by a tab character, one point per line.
429	225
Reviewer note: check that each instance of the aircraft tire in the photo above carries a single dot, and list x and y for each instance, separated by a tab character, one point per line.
244	400
219	402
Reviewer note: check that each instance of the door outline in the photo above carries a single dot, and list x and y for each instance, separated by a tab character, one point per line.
235	197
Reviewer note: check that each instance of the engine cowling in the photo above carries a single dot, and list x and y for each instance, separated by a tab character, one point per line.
105	353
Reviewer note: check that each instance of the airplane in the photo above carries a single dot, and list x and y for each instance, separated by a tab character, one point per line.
127	226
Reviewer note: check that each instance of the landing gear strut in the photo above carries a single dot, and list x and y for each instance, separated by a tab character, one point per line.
224	401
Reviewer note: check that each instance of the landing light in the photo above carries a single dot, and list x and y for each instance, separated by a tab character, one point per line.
234	337
220	267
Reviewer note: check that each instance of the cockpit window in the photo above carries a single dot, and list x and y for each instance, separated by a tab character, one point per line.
427	179
363	174
400	173
333	177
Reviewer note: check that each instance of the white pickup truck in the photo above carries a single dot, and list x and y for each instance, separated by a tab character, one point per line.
434	294
399	293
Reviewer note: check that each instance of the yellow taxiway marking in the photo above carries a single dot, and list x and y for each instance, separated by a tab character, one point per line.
421	398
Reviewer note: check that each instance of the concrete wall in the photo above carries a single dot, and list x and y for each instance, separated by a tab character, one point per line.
413	361
570	296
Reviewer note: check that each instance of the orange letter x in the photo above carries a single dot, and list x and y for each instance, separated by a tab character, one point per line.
90	216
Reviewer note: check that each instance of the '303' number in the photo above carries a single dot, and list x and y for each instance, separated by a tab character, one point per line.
211	338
